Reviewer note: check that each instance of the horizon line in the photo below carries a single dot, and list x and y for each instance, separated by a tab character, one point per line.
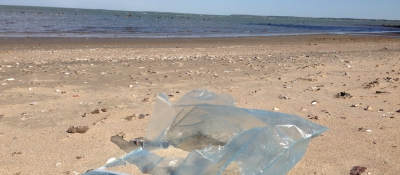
202	14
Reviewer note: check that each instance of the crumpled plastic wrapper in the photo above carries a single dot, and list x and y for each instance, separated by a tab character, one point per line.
219	138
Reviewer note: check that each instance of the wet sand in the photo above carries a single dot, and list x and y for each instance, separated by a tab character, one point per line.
49	85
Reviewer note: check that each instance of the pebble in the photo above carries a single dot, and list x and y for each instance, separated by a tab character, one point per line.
314	102
368	108
354	105
275	109
9	79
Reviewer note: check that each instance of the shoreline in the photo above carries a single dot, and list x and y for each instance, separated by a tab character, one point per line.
36	42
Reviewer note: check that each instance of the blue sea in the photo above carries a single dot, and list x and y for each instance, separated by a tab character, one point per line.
22	21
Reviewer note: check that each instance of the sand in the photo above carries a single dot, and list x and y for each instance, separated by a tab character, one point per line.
49	85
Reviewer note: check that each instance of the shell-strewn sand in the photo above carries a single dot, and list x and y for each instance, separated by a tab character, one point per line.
349	84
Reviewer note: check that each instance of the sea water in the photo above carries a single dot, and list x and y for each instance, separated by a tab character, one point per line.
23	21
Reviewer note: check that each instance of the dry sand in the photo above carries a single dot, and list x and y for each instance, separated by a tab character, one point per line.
49	85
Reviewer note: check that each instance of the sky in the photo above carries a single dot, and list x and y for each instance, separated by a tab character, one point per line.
364	9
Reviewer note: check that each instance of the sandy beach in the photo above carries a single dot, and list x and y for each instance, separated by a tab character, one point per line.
349	84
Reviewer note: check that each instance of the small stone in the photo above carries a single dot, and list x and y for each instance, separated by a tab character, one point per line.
104	110
275	109
80	157
357	170
96	111
368	108
314	102
343	95
355	105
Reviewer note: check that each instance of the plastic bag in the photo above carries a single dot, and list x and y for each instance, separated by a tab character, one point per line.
217	135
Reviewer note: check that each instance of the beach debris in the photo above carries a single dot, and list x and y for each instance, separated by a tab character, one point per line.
372	84
211	128
33	103
127	146
103	110
139	116
80	157
275	109
79	129
398	111
368	108
388	79
357	170
286	97
70	173
138	141
343	95
145	100
313	117
112	159
362	129
101	120
142	116
75	95
84	114
96	111
356	105
314	88
129	118
9	79
382	92
14	153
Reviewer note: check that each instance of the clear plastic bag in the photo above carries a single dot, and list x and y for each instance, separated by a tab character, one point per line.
217	134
